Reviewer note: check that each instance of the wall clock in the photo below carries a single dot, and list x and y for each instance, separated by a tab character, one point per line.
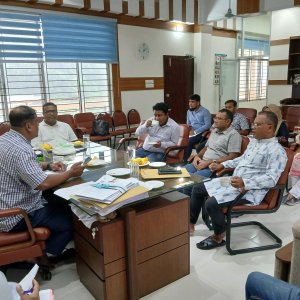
144	51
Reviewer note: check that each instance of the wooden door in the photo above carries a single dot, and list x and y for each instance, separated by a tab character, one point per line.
178	84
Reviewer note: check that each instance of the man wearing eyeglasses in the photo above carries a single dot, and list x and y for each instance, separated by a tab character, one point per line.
223	144
256	171
52	131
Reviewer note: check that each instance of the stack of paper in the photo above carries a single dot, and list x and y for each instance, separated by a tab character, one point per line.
106	195
105	190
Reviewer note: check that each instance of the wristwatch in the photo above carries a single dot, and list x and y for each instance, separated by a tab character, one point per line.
215	161
49	166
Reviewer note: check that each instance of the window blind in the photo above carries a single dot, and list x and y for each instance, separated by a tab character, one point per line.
20	37
77	38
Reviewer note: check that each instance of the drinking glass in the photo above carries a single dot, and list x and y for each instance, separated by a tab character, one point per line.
86	140
134	170
131	152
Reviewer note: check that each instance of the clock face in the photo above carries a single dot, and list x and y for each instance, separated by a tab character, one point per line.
144	51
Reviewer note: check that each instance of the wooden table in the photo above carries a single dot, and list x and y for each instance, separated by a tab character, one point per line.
145	248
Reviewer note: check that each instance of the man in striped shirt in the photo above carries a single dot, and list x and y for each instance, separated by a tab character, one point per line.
22	180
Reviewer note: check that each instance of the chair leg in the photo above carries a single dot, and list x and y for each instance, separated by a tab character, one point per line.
277	240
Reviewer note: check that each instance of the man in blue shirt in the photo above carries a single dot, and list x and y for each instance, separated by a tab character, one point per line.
199	118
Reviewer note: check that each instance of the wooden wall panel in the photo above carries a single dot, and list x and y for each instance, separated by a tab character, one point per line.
116	87
280	42
296	2
138	83
278	62
247	7
277	82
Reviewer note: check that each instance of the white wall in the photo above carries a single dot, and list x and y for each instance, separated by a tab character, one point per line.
161	42
258	24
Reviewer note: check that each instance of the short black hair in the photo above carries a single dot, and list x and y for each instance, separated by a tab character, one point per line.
49	104
195	97
231	101
229	114
271	117
161	106
20	115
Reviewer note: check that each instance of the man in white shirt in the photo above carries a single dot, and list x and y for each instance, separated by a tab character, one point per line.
163	132
256	171
52	131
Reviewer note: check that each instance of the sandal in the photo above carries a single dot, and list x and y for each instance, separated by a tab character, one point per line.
209	243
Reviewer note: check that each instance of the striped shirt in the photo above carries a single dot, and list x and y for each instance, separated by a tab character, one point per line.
20	174
260	168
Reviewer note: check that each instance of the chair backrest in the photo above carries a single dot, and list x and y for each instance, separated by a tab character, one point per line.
249	113
119	119
133	117
67	119
245	142
293	117
4	127
272	196
84	120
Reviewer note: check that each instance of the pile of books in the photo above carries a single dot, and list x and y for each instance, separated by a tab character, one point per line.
105	195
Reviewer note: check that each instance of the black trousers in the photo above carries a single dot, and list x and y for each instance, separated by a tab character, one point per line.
200	200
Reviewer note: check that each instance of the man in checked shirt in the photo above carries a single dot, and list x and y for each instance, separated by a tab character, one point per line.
256	171
22	180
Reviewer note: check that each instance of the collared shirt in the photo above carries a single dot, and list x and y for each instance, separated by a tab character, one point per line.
260	168
168	135
221	143
240	122
20	174
59	132
200	120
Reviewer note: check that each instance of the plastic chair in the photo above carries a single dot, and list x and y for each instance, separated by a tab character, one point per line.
170	156
270	204
84	124
120	122
112	131
67	119
134	119
20	246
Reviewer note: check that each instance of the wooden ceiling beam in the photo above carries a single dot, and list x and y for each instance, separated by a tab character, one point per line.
247	7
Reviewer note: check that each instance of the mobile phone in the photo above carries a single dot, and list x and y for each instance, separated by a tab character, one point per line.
87	160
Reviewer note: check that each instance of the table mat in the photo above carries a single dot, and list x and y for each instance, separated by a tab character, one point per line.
153	174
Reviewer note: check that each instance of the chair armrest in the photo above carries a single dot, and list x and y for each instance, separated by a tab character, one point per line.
124	140
172	148
18	211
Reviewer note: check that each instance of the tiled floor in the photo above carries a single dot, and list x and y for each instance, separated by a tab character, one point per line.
214	274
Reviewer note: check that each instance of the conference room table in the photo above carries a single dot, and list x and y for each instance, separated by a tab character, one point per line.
144	248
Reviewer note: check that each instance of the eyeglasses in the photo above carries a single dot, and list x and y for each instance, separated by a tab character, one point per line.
219	119
258	124
50	111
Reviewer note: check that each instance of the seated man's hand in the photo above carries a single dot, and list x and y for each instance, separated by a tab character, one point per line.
148	123
238	183
157	145
58	166
202	164
216	167
196	161
33	296
77	169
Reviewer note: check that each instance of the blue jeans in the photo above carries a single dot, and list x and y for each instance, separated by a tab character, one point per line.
260	286
152	156
192	142
57	217
193	171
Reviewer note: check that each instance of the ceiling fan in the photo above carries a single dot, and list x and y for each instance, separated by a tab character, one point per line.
229	13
